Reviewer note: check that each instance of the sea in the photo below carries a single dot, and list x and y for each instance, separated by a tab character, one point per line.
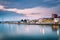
28	32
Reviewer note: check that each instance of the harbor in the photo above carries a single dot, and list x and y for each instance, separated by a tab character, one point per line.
41	29
29	19
54	19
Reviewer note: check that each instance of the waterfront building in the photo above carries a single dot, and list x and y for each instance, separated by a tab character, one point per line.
54	15
40	20
28	20
56	19
33	21
23	21
59	19
47	20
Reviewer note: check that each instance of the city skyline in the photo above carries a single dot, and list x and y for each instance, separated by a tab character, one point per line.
28	9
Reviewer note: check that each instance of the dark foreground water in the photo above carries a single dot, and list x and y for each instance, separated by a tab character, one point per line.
28	32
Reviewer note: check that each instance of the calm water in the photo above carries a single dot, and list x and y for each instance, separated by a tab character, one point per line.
28	32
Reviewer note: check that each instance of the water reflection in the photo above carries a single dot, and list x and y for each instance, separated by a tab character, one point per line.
42	31
58	32
30	30
55	27
27	29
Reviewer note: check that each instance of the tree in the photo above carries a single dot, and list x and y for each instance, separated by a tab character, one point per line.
22	20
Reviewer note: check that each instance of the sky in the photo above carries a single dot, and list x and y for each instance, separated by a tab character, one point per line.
13	10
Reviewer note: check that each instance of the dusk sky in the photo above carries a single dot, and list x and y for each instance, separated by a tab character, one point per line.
28	9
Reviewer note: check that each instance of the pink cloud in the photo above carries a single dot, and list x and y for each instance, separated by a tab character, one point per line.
1	7
38	12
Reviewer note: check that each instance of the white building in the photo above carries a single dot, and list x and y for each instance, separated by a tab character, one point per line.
40	20
56	19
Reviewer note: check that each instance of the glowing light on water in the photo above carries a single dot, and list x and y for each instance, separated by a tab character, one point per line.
58	32
42	31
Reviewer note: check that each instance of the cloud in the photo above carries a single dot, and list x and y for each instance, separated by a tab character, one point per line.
1	7
36	12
